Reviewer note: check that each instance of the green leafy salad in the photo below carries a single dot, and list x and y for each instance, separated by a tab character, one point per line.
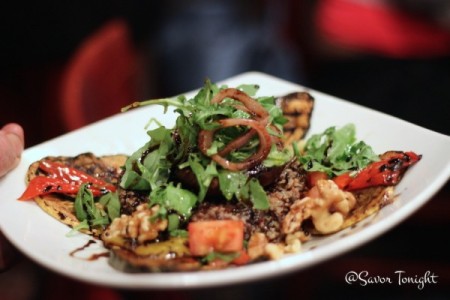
336	151
152	167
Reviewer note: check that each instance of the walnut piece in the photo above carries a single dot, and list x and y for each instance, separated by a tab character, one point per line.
259	246
139	225
327	207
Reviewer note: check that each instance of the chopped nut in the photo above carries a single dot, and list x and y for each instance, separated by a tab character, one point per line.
138	225
256	245
293	243
274	251
327	211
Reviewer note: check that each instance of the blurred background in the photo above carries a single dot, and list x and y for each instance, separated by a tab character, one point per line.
64	64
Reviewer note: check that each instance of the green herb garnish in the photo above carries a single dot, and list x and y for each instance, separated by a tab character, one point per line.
336	151
92	215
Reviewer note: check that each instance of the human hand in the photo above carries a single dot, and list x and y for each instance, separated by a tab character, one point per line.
11	146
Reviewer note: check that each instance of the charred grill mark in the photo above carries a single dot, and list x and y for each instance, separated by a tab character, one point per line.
297	109
389	178
383	168
88	163
61	216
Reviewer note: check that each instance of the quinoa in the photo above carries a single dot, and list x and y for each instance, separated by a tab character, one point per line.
290	186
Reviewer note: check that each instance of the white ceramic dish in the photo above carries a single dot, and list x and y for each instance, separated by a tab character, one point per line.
44	239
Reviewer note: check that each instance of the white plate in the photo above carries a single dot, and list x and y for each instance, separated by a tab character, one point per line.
44	239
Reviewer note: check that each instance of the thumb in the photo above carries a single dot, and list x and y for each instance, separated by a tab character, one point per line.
11	147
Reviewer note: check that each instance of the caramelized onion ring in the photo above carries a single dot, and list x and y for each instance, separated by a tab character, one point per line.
242	140
255	108
205	140
237	143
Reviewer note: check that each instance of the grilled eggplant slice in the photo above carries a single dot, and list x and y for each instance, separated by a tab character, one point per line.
166	256
369	201
297	108
61	207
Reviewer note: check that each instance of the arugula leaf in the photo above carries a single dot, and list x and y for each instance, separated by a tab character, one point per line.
165	102
232	184
277	158
237	184
275	112
87	210
249	89
131	178
111	203
174	198
84	195
257	195
204	176
205	94
84	225
147	169
336	151
173	222
186	135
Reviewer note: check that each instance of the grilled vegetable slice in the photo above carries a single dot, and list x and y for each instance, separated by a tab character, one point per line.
386	172
103	170
297	109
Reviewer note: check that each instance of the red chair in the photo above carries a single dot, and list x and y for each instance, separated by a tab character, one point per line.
105	74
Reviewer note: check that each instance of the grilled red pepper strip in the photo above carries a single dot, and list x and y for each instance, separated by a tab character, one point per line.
63	179
343	180
42	185
61	171
385	172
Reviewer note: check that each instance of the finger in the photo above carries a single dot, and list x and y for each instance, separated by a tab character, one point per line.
11	147
17	130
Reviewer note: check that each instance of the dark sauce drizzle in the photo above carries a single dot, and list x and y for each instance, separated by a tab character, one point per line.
93	257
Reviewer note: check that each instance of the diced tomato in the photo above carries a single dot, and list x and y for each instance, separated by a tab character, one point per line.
218	235
242	259
314	176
